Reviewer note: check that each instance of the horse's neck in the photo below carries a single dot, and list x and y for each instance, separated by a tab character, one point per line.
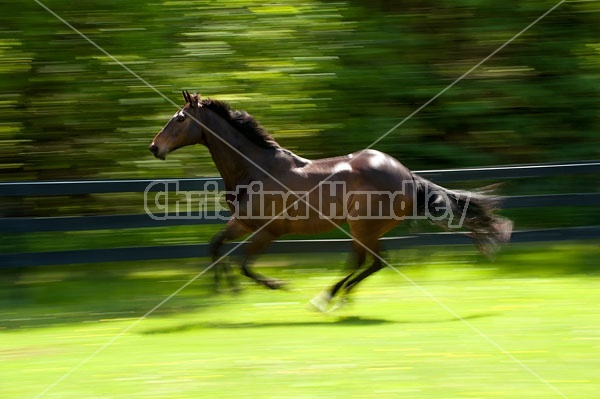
232	167
236	157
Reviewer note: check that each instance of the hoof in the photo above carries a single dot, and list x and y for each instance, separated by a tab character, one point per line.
340	304
273	283
321	301
227	290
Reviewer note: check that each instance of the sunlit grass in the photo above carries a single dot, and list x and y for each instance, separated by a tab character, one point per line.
427	333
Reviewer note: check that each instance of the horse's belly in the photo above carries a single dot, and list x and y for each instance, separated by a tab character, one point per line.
311	226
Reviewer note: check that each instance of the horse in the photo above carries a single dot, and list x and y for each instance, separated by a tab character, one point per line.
272	191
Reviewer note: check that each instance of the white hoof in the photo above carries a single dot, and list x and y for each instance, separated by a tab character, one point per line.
340	304
321	301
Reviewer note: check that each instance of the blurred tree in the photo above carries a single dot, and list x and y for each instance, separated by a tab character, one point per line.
325	78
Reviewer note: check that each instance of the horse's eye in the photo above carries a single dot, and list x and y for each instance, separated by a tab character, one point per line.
180	117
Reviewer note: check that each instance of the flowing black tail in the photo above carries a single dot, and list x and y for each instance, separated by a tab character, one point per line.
471	210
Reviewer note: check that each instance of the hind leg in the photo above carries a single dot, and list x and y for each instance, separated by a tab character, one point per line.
366	233
360	275
358	259
375	267
321	301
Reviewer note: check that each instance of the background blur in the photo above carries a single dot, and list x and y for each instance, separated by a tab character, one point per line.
325	78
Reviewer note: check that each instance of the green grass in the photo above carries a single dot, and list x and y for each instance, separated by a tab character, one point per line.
539	304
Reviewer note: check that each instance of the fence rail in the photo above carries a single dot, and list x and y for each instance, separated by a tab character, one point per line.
48	188
143	220
109	222
54	258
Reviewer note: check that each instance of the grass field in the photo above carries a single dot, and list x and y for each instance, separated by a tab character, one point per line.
525	326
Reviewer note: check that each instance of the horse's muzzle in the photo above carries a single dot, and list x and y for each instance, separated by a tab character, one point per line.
154	150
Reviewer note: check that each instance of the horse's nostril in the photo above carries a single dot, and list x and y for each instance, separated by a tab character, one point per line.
153	148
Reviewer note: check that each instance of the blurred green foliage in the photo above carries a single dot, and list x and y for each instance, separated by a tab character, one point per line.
325	78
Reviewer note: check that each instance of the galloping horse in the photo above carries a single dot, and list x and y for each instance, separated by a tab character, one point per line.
271	191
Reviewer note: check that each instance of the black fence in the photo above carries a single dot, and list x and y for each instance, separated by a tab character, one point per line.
80	223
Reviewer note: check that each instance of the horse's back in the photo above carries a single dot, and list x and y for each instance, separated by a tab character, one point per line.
354	185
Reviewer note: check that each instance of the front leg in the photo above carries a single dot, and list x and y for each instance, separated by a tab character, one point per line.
258	244
234	229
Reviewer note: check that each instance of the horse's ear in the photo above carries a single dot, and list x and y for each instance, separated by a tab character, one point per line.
195	101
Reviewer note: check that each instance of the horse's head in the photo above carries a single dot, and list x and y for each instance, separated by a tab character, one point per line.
181	130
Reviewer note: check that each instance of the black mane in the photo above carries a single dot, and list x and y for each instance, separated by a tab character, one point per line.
243	122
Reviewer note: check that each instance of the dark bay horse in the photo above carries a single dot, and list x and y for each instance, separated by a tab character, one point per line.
271	192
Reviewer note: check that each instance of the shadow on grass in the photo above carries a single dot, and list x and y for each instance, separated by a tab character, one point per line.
54	296
349	321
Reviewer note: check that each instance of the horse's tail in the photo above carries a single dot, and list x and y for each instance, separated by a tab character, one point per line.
472	210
